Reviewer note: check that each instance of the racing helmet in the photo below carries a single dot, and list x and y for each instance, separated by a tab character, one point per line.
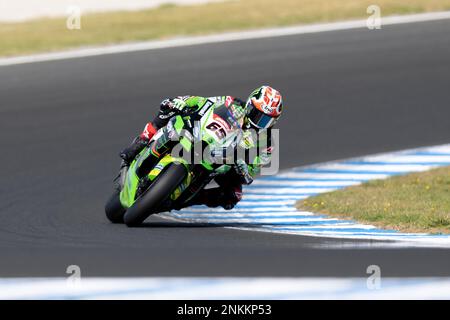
263	108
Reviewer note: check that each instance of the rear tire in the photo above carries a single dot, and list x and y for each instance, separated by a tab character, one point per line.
114	209
159	191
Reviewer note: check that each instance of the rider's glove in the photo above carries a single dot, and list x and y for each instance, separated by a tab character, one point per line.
239	102
178	104
242	170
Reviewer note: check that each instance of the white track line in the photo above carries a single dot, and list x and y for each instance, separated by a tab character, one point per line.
217	38
225	288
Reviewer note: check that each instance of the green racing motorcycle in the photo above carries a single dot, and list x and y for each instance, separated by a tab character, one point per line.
201	145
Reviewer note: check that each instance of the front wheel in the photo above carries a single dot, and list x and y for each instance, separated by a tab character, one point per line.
114	209
159	191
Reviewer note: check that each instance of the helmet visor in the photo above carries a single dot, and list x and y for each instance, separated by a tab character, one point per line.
259	119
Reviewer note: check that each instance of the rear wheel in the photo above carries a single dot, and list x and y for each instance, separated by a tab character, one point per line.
114	209
159	191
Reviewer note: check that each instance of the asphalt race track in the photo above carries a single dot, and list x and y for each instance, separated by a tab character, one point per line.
347	93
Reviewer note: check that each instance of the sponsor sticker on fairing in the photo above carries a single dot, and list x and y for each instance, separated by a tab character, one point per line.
205	107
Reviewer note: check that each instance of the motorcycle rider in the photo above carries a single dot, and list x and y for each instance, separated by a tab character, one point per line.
260	112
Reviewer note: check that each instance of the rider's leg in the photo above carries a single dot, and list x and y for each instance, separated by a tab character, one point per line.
129	153
158	148
161	120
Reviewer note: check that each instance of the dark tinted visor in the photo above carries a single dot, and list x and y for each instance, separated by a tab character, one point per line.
259	119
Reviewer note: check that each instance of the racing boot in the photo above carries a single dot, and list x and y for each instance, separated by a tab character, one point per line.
139	143
129	153
158	148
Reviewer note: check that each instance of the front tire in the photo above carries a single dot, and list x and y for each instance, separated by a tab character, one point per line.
114	209
159	191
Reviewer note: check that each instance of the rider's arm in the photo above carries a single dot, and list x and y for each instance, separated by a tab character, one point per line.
182	102
264	148
263	159
167	110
